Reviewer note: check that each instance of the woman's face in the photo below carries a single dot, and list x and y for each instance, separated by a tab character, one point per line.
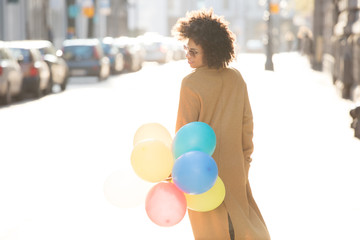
194	54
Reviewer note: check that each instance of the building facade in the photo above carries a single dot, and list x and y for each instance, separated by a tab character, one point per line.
57	20
336	44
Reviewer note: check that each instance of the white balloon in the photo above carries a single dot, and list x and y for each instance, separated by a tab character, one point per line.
125	189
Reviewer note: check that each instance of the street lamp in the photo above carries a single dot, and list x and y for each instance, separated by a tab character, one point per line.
272	8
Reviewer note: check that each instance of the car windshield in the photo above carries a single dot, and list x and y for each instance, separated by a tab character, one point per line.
78	52
152	45
106	48
21	54
47	50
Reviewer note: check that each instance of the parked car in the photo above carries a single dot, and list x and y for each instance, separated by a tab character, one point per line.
10	76
117	63
176	47
85	57
132	51
36	73
157	48
59	71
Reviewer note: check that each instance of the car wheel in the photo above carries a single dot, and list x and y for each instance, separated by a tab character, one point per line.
6	99
119	64
20	96
37	89
131	65
100	78
49	87
64	84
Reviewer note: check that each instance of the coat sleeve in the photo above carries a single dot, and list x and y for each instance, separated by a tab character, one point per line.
189	105
247	137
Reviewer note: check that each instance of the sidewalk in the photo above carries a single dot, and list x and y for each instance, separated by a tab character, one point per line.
305	171
305	166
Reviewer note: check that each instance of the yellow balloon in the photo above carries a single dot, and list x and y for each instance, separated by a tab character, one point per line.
153	131
152	160
209	200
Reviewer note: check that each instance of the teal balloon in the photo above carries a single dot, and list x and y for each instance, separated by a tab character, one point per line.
194	136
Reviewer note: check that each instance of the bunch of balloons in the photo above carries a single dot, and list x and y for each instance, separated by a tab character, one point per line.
195	172
152	160
187	159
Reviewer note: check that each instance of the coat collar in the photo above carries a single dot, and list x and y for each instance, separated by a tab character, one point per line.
206	68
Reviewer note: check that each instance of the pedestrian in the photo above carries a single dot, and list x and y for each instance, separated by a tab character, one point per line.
289	38
355	114
216	94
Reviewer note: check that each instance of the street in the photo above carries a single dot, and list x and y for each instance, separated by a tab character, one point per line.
62	155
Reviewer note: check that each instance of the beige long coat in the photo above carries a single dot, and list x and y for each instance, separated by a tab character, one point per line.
219	98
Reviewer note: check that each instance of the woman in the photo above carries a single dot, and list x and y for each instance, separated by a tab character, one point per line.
217	95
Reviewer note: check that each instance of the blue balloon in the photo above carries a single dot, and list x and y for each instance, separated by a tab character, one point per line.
194	136
195	172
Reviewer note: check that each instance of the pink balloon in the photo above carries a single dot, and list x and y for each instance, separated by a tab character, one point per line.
165	204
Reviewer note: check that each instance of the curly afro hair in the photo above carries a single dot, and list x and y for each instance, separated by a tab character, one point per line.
209	31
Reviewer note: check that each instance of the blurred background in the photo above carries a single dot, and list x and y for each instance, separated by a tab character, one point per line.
327	31
79	77
57	20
